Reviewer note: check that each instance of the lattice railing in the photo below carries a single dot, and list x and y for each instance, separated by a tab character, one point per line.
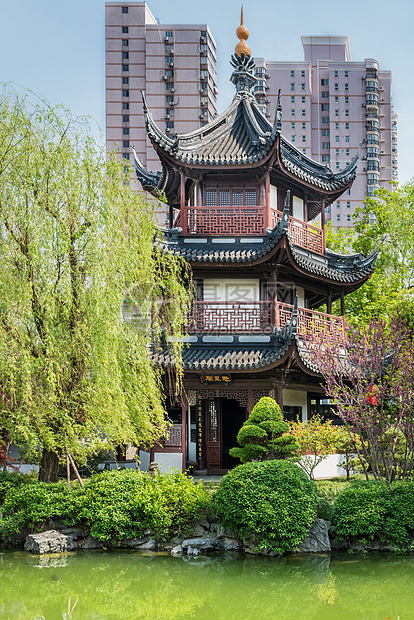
174	439
234	317
309	321
223	220
306	236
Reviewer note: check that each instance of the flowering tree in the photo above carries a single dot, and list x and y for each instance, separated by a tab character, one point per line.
317	440
369	373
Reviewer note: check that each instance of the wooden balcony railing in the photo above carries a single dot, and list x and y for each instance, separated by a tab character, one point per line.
309	321
247	221
235	317
257	317
223	220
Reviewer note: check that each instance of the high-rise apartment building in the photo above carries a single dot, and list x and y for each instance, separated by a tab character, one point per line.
174	64
330	105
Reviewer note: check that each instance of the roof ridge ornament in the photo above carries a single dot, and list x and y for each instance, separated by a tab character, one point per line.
277	125
242	62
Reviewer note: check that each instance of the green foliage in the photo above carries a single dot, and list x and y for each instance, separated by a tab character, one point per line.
316	439
10	481
273	502
385	221
113	505
328	491
368	509
264	435
77	247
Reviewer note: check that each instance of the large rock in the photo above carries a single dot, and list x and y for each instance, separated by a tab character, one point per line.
207	543
51	541
317	538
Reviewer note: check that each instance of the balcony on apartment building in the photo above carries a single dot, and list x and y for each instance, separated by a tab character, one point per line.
257	317
247	220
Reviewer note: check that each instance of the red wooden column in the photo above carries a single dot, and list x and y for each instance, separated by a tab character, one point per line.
267	196
184	407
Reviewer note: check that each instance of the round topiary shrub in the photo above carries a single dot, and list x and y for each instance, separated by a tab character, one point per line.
273	502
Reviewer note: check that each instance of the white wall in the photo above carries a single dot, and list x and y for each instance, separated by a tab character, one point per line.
273	197
168	460
300	292
297	398
231	290
297	208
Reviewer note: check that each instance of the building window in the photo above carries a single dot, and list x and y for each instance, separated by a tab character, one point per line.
346	138
125	131
325	107
302	73
292	86
125	106
346	86
303	125
346	112
336	112
168	73
125	80
169	47
169	98
338	217
348	204
303	138
303	100
125	93
292	74
125	144
125	55
347	152
346	125
168	33
325	133
169	125
325	146
169	85
169	59
125	29
346	99
293	138
302	86
338	204
125	118
336	138
292	112
292	100
337	165
336	126
337	152
125	156
293	125
324	82
124	42
169	112
336	99
325	94
325	120
125	67
304	151
345	73
325	159
336	86
125	9
348	218
303	112
335	73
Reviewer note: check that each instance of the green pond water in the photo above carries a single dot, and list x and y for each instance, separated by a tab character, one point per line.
124	585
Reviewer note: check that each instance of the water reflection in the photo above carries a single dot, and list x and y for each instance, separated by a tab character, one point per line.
112	585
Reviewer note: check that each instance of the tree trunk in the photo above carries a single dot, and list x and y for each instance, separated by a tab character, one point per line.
49	466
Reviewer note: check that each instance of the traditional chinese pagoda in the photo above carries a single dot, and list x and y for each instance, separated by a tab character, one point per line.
241	198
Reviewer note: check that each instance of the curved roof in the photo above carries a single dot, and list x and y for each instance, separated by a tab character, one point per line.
240	136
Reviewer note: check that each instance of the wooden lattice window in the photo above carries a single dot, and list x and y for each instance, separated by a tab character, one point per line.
230	196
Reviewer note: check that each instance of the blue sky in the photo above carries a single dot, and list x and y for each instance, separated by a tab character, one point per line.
57	48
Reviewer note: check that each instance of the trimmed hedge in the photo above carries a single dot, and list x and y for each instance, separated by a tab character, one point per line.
273	502
372	509
113	505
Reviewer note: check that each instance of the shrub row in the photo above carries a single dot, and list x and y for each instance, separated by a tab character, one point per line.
113	505
369	509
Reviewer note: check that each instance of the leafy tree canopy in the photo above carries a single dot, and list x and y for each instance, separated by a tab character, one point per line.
81	281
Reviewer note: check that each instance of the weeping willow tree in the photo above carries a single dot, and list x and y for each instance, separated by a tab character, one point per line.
85	288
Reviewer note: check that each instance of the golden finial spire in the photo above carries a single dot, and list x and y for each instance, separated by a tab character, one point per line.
242	34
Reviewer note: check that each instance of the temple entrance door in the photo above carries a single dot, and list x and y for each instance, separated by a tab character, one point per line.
233	417
213	434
